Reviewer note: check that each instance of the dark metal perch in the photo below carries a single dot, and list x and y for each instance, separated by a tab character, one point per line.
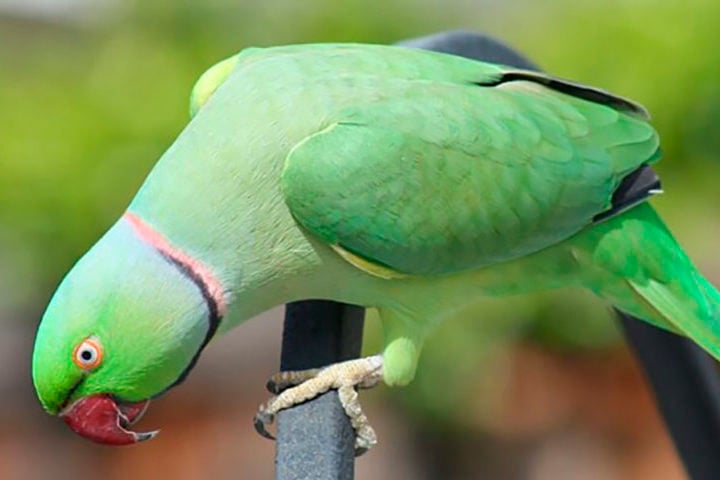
315	439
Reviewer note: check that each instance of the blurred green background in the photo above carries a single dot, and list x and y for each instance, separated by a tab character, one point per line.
92	92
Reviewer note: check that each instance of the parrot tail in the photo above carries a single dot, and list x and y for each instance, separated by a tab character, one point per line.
641	269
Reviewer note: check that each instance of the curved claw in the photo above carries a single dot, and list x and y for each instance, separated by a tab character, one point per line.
272	386
360	451
261	421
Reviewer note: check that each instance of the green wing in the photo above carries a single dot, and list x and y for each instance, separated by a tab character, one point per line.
432	177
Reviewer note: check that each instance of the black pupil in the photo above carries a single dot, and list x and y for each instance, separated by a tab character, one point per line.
86	355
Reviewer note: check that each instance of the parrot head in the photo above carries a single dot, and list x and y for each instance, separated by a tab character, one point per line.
125	325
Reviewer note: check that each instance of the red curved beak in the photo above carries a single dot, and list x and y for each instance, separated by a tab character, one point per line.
103	420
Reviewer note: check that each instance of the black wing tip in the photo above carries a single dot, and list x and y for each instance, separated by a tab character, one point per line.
636	187
591	94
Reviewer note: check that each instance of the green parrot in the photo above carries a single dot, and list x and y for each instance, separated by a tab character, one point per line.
410	181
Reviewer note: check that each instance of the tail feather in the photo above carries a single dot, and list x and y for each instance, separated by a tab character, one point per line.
633	261
693	316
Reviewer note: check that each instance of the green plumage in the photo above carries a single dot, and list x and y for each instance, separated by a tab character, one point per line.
437	177
466	179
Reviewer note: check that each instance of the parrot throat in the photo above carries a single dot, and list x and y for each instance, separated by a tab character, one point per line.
210	288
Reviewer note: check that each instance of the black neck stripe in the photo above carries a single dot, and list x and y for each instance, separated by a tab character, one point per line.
214	317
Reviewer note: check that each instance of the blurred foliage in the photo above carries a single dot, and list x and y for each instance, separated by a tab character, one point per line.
88	106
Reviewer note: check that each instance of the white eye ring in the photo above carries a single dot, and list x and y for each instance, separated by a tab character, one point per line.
88	354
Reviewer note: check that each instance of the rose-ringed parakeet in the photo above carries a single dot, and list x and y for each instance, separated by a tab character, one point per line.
410	181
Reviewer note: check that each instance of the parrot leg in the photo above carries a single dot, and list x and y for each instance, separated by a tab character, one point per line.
307	384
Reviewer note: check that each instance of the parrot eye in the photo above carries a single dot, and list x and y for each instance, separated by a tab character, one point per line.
88	354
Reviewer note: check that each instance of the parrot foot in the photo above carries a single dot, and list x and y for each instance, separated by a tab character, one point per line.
295	387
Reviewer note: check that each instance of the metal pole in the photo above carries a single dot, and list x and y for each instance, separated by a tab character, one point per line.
315	439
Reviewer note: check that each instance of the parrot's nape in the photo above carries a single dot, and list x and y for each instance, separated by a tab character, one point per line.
409	181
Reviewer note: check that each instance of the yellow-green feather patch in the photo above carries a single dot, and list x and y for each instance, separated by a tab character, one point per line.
209	82
367	266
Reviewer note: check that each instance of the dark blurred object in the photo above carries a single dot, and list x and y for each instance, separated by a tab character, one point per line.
471	45
687	388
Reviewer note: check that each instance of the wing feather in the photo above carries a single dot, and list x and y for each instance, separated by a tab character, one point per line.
432	177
